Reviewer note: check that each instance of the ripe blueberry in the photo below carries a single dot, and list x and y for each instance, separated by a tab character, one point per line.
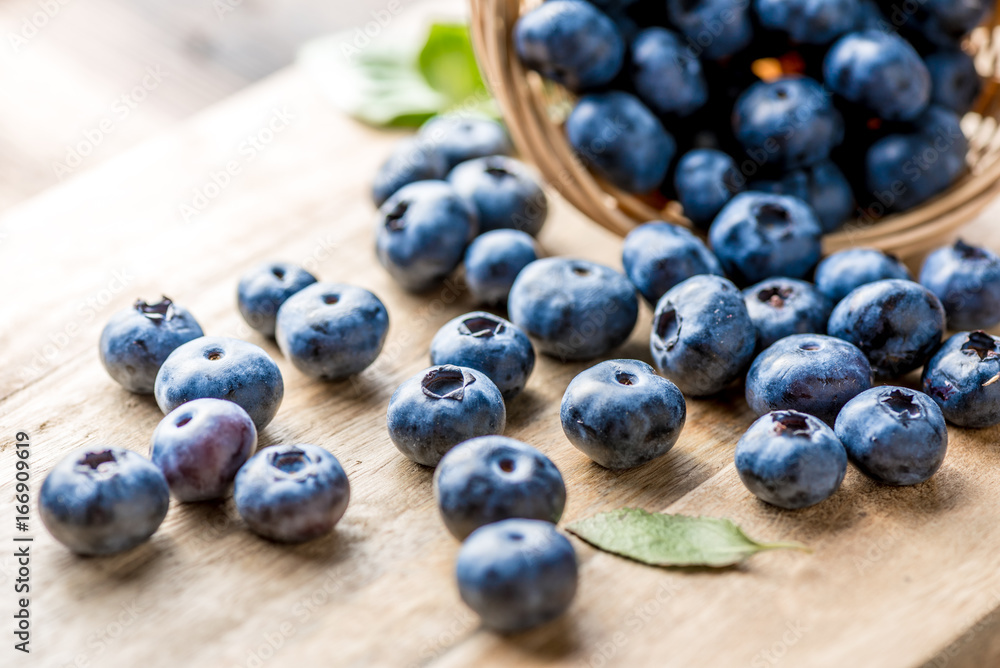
292	493
438	408
137	340
494	478
103	499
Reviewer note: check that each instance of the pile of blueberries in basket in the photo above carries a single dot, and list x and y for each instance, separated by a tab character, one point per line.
850	105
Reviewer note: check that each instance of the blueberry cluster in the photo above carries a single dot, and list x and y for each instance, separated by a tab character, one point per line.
217	393
852	106
809	352
452	195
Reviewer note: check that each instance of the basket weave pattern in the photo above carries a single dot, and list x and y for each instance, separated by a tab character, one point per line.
534	111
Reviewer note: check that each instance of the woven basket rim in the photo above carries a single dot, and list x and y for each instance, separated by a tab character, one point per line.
525	100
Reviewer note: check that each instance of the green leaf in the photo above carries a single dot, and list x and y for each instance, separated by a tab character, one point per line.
378	84
658	539
448	62
398	78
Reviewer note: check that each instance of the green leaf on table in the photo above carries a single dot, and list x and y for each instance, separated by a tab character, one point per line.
658	539
399	79
448	63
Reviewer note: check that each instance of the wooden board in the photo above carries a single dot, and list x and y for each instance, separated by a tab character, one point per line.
898	577
65	65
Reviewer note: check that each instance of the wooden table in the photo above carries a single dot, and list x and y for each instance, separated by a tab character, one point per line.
898	577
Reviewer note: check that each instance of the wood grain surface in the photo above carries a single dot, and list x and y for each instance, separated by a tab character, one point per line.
65	65
897	578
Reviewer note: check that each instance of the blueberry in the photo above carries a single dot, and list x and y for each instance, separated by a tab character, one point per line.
621	414
517	574
222	368
809	21
263	290
440	407
790	122
870	17
201	445
809	373
967	281
905	170
894	176
621	15
894	435
492	262
332	331
494	478
706	179
292	493
791	460
575	309
413	159
946	22
896	323
570	42
962	378
103	499
666	76
715	28
955	82
658	255
621	140
459	138
703	338
823	187
489	344
842	272
137	340
421	233
780	307
879	72
759	235
504	193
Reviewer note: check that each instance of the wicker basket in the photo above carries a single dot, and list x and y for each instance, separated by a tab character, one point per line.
535	109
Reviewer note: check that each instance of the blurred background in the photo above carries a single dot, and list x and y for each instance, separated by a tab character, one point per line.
102	75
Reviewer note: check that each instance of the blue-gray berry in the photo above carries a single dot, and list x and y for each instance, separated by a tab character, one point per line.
517	574
791	460
621	414
494	478
332	331
221	367
103	499
487	343
438	408
292	493
137	340
894	435
263	290
574	309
